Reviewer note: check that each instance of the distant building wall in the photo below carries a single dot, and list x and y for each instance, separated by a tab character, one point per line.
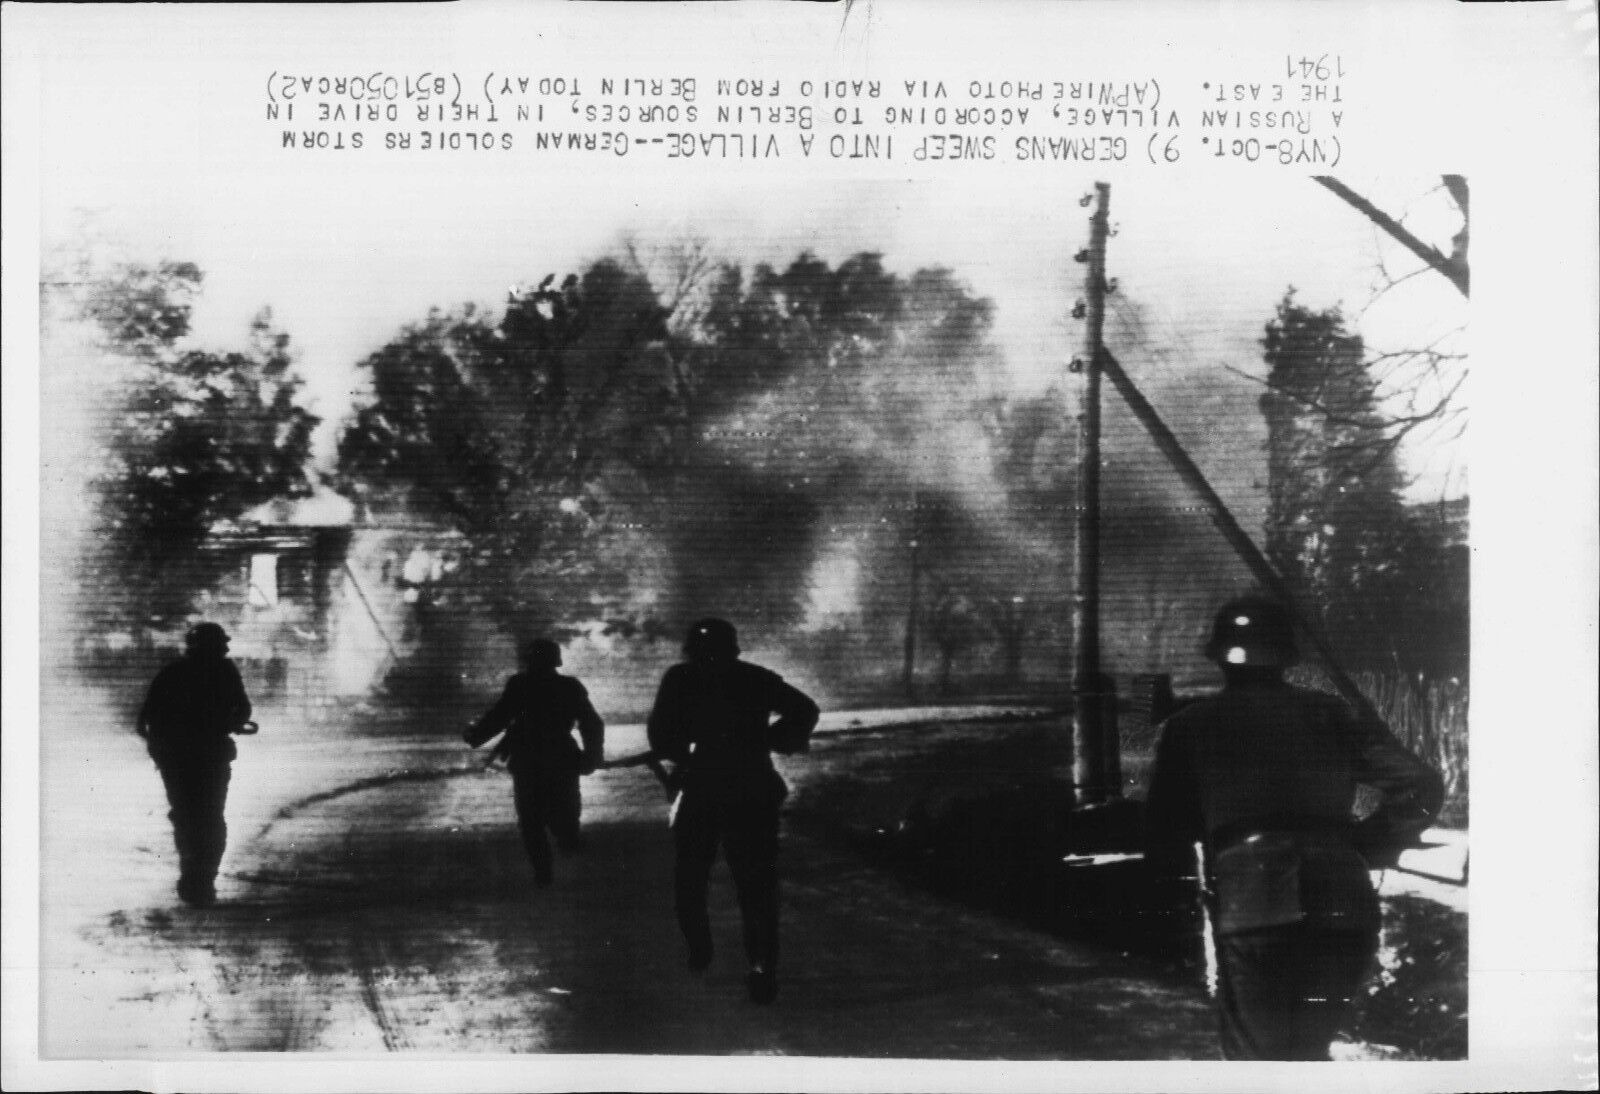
275	598
319	614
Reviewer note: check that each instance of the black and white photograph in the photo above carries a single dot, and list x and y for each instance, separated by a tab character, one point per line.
798	546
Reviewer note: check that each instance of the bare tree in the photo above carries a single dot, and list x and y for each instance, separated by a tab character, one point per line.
682	272
1416	388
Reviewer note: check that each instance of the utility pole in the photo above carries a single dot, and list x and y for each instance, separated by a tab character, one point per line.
909	671
1095	763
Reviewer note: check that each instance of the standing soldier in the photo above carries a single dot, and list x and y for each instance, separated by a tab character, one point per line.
192	707
713	718
538	711
1264	776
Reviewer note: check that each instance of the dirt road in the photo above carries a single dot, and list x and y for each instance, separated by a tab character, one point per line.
375	897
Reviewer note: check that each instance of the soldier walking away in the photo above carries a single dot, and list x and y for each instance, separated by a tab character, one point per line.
192	707
713	719
537	713
1263	775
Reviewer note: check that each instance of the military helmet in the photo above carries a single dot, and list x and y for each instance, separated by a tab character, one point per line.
541	653
1252	631
711	639
206	638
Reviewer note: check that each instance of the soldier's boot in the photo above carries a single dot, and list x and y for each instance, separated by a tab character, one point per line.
761	949
758	900
191	873
537	848
209	847
762	983
565	825
197	891
696	927
204	894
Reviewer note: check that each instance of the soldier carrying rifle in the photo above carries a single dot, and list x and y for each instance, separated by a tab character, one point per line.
537	713
714	720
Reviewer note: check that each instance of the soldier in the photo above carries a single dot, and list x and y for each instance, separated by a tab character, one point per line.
192	707
1264	776
538	711
713	719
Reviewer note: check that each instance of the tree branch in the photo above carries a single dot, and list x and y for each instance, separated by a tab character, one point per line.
1454	268
1384	422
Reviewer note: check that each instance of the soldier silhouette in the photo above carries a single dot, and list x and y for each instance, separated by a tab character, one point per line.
1264	776
713	719
537	713
193	706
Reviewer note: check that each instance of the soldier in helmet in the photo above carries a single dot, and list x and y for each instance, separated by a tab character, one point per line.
714	719
1263	775
537	713
192	707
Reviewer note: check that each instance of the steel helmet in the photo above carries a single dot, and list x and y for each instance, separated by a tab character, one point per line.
206	638
711	639
541	653
1252	631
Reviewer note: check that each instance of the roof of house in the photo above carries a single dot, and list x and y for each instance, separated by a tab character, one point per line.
324	508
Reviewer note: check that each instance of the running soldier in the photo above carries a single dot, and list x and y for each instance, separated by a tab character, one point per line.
193	706
713	719
1264	776
537	713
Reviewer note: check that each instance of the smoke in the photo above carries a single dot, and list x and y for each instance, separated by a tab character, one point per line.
858	412
875	386
741	549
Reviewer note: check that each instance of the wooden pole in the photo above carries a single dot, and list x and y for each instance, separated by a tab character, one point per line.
1088	685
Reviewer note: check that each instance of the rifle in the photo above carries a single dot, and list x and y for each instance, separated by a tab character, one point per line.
1200	896
1457	878
1196	892
649	758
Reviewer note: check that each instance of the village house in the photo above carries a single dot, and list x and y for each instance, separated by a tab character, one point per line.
322	606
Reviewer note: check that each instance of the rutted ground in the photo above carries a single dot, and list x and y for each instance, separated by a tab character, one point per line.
375	897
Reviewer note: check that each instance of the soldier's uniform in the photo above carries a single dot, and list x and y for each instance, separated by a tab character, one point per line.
713	718
190	711
537	712
1264	776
